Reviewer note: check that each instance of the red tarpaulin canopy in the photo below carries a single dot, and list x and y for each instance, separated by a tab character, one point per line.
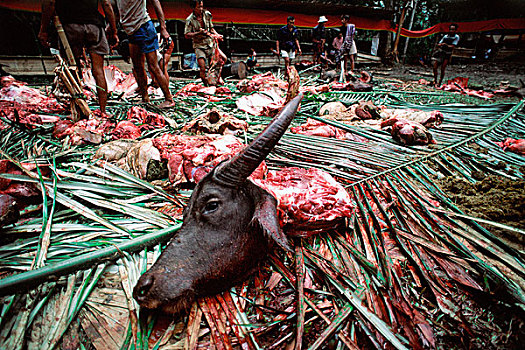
179	11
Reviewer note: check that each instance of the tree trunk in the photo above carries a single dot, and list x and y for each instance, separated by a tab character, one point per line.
409	28
385	37
398	32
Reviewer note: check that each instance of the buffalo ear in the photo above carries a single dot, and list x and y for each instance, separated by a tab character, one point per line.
266	218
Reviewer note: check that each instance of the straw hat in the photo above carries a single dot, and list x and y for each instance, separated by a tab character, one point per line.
322	19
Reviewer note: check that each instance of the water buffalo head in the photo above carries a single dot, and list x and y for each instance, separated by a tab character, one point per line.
228	227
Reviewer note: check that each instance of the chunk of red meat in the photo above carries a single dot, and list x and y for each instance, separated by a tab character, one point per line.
459	84
18	92
62	128
144	119
191	157
308	199
126	130
513	145
84	131
408	132
316	128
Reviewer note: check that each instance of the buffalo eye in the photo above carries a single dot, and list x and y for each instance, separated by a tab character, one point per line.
210	207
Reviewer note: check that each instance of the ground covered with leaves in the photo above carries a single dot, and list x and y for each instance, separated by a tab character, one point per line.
420	262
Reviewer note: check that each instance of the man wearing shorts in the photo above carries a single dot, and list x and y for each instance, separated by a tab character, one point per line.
84	28
348	49
443	52
143	44
287	42
199	28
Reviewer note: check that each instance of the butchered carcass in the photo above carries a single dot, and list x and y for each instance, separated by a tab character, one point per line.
460	84
18	92
24	193
144	119
229	226
126	130
85	131
309	200
260	82
215	122
314	127
264	103
428	119
408	132
190	158
513	145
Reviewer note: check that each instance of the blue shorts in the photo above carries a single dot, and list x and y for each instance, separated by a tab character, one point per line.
145	37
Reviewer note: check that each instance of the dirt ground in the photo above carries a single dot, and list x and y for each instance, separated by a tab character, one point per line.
494	198
486	76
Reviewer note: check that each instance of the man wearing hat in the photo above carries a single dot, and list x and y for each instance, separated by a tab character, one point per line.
319	39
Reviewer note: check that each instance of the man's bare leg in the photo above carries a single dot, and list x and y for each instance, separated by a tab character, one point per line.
443	67
286	65
154	69
345	66
202	70
97	67
139	69
435	70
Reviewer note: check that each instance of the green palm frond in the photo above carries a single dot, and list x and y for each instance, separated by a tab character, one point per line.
399	272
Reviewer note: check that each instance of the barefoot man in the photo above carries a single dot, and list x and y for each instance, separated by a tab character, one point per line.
84	30
199	28
143	44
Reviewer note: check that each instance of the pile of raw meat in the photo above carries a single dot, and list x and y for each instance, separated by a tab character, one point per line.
16	195
119	83
190	158
460	85
22	104
309	200
94	129
513	145
407	126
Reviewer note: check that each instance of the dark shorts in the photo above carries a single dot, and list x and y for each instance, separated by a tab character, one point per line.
318	48
88	36
145	38
440	56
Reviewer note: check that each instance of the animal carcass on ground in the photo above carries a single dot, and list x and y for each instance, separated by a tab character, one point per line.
228	227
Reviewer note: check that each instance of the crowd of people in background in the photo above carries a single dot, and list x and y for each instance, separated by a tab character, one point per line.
144	42
341	53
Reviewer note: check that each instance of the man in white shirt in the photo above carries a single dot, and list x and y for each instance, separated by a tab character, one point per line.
443	52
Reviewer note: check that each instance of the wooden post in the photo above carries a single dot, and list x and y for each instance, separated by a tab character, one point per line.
398	33
65	43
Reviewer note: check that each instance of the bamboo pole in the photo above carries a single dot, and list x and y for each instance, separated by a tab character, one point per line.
65	43
73	86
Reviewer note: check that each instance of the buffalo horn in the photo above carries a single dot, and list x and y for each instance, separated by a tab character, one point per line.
237	170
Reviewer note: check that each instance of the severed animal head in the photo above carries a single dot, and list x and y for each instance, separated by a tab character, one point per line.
229	226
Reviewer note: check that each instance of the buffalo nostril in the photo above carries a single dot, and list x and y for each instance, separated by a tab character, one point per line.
143	286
